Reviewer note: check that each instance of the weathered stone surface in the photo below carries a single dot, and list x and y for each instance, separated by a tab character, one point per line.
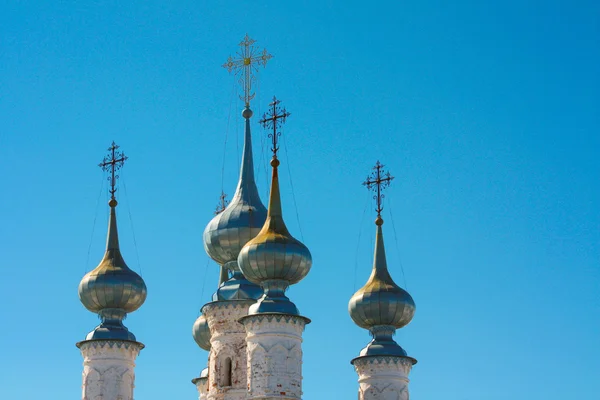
274	356
227	363
383	378
108	369
202	386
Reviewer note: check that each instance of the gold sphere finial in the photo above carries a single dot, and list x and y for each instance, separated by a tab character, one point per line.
379	220
274	163
113	203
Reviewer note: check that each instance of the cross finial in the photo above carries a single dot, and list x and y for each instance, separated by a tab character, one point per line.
377	181
222	203
273	119
113	162
246	64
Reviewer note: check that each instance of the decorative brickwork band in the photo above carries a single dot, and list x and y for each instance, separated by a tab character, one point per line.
108	369
383	377
274	356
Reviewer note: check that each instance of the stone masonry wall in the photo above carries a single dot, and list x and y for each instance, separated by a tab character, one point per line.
108	369
274	356
383	377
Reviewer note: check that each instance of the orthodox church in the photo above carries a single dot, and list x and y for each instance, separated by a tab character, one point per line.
251	329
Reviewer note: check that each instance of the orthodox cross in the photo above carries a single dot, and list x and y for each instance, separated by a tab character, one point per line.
113	162
377	181
246	64
273	119
222	203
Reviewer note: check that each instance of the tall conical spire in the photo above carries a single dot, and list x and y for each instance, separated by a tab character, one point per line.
276	116
274	259
231	229
274	213
381	306
112	289
240	221
246	189
380	271
112	238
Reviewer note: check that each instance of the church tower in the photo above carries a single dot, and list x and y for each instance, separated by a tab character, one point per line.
381	306
224	237
201	331
111	290
275	260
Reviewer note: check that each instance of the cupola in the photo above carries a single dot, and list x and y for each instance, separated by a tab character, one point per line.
274	258
112	290
381	306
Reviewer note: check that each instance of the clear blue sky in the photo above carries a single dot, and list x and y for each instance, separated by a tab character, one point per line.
487	114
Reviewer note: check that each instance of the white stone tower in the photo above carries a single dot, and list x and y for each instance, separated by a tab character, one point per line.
274	326
112	291
381	306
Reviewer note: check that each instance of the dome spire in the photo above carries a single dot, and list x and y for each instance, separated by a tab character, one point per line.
241	219
112	289
276	115
274	259
112	163
381	306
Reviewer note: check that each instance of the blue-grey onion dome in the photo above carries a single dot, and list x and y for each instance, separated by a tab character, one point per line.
237	288
242	219
381	301
203	376
201	333
204	373
274	254
112	285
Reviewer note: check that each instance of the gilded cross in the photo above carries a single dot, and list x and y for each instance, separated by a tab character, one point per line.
113	162
246	64
222	203
273	119
377	181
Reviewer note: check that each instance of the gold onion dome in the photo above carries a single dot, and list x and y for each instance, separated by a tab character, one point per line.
274	259
201	333
112	289
381	306
240	221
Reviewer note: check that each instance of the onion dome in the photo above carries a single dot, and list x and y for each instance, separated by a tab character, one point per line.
381	306
112	289
203	376
240	221
274	259
204	373
201	333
